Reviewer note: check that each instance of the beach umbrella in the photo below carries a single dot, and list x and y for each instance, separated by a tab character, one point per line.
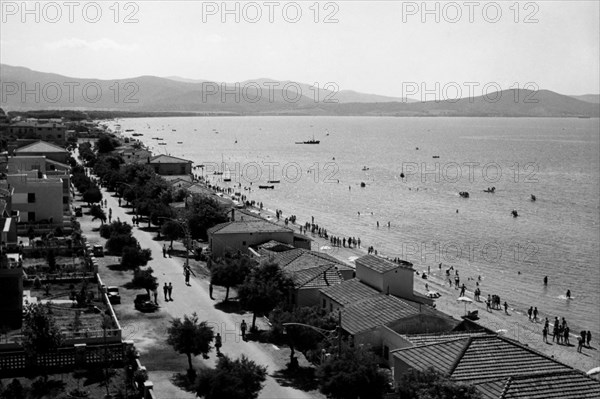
325	248
465	300
352	258
501	331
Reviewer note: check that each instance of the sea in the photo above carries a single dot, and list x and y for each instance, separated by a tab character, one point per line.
395	183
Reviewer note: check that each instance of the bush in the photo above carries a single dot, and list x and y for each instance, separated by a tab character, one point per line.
117	242
37	283
132	257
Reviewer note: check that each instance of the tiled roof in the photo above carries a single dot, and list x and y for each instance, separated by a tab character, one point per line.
299	259
380	265
40	146
275	246
248	226
441	356
373	312
168	159
426	339
317	277
482	358
571	384
349	291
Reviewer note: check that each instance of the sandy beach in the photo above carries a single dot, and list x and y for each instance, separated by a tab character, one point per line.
514	325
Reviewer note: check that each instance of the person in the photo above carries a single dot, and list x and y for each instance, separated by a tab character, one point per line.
535	313
462	290
218	344
529	312
155	295
164	250
588	338
119	202
545	280
166	292
505	307
579	344
187	276
243	327
568	294
545	334
566	335
170	292
427	286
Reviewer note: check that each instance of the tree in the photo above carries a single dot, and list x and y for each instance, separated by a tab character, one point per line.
98	213
231	271
171	230
118	241
303	338
106	144
203	213
144	279
41	333
353	374
263	289
92	195
115	228
232	379
430	384
190	337
133	258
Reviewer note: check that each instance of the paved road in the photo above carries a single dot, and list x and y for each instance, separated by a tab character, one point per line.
195	298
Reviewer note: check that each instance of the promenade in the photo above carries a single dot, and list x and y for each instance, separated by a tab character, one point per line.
148	331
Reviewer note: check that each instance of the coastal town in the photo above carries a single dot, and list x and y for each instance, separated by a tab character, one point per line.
125	274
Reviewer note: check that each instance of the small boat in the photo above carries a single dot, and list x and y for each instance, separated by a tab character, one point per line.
515	213
313	141
464	194
266	187
137	134
162	143
533	197
129	130
365	168
217	173
402	175
173	130
436	156
180	142
362	184
274	181
490	190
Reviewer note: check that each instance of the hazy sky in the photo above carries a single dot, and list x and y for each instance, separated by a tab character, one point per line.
378	47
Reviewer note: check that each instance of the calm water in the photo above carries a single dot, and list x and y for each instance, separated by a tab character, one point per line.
557	160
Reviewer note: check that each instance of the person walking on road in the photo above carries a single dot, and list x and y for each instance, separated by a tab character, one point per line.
155	295
243	327
166	291
218	344
164	250
170	292
187	276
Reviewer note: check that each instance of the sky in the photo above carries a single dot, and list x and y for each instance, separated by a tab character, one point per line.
382	47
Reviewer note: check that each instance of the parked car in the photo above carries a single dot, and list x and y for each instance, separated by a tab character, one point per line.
143	303
98	251
113	295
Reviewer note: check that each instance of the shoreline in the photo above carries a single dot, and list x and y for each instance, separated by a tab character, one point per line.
521	329
514	325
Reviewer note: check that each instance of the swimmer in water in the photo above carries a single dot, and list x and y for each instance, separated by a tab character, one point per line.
568	294
546	280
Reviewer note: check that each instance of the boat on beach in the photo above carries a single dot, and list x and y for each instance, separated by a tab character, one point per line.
265	187
464	194
273	181
312	141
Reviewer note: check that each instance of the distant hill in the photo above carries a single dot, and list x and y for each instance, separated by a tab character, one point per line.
147	94
589	98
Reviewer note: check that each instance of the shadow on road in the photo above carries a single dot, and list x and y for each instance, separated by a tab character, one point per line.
184	381
299	377
230	307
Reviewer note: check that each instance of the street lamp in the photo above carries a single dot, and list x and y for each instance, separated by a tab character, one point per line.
323	332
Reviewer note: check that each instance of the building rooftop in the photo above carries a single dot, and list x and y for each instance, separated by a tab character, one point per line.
40	146
480	359
571	384
316	277
300	259
381	265
376	311
168	159
248	226
427	339
349	291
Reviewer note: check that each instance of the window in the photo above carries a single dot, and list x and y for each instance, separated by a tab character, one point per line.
31	216
31	198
